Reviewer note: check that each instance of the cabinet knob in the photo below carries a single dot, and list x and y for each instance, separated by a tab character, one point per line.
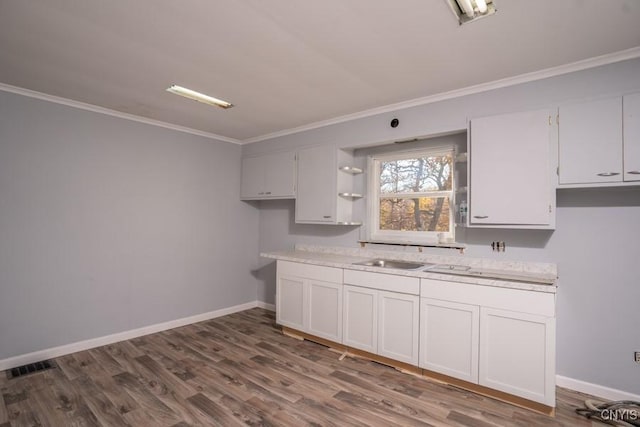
608	174
261	193
268	192
481	216
634	172
326	216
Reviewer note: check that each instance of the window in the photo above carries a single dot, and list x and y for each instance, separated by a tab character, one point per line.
411	196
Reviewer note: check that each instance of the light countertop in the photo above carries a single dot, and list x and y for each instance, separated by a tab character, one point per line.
540	277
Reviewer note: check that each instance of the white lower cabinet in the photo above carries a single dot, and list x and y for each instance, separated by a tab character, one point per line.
361	318
449	338
497	337
325	309
398	326
290	302
307	304
382	314
517	354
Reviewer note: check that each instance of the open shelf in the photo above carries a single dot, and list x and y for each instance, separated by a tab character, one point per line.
351	169
351	195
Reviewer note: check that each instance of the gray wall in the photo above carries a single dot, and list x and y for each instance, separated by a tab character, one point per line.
107	225
594	244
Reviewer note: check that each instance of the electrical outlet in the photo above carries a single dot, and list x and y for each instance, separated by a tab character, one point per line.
498	246
636	356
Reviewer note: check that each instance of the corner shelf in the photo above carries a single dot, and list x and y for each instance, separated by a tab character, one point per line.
351	195
351	169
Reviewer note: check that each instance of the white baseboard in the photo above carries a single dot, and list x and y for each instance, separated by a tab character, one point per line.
62	350
595	390
267	306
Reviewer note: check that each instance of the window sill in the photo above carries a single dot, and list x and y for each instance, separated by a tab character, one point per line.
459	246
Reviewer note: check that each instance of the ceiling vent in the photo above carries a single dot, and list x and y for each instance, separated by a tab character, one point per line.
470	10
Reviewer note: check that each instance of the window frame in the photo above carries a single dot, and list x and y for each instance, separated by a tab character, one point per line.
374	195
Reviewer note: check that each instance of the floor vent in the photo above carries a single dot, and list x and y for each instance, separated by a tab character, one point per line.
31	368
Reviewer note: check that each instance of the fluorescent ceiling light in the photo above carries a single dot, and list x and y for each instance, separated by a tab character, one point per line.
197	96
470	10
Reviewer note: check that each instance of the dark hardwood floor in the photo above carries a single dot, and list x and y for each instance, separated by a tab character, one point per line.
240	369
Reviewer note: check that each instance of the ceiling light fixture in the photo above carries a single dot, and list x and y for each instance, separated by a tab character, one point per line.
197	96
470	10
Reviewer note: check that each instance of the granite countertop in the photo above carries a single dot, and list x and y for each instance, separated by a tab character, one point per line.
540	277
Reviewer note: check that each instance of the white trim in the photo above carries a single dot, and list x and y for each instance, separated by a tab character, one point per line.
102	110
584	64
62	350
595	389
267	306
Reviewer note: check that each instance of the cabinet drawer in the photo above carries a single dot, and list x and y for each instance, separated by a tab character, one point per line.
522	301
317	272
385	282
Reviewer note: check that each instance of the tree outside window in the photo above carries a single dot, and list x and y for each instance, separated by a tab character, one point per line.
413	195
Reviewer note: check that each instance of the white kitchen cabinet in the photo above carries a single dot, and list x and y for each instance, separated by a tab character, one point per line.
398	326
449	338
517	354
290	302
325	186
590	142
511	165
361	318
271	176
325	309
631	137
513	352
309	299
382	313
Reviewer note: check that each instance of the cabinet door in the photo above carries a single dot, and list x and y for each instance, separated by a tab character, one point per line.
631	124
280	175
325	310
449	338
360	318
398	326
317	192
270	176
590	140
517	354
252	178
510	171
291	300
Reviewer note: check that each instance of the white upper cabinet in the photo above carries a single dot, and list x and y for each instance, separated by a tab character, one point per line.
271	176
511	165
631	136
325	184
316	200
590	138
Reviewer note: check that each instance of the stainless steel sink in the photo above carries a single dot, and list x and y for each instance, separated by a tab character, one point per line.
386	263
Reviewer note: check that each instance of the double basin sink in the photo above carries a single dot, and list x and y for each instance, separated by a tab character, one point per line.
406	265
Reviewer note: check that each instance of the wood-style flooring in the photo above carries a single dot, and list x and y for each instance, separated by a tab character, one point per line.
240	369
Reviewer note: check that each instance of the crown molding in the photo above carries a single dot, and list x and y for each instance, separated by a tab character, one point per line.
597	61
102	110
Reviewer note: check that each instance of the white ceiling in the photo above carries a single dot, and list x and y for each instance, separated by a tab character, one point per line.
289	63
